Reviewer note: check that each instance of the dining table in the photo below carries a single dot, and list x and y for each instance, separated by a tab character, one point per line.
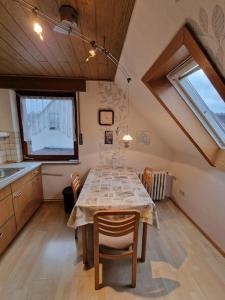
114	189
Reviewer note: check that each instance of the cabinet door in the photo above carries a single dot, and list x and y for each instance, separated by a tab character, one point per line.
6	209
23	204
7	233
37	190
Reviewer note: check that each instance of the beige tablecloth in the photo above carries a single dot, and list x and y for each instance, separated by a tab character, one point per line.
111	189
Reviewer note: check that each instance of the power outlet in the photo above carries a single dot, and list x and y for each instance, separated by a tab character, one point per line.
182	193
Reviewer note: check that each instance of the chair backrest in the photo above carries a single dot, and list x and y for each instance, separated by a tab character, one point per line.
75	182
116	223
147	178
74	176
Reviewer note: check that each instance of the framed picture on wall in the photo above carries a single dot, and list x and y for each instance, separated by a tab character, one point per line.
108	137
143	137
106	117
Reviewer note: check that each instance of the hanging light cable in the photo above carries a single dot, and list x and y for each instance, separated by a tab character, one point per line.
127	138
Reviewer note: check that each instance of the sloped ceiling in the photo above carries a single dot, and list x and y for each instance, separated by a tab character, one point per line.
153	24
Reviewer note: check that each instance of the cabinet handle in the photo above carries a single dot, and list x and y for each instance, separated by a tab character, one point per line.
1	235
17	194
51	174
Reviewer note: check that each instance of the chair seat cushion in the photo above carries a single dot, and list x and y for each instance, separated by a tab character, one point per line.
120	242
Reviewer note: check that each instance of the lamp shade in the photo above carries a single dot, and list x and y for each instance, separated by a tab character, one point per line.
127	138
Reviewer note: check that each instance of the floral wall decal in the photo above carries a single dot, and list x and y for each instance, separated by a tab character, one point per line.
112	97
203	19
210	28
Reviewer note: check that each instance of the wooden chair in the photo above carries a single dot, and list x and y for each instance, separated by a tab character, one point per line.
148	183
76	184
147	179
117	234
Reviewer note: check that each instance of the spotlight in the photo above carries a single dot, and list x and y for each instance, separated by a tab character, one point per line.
38	29
92	52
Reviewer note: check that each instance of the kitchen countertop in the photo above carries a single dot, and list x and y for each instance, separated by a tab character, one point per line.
27	167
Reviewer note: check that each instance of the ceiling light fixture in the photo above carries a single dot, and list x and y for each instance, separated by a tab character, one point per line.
93	51
68	20
37	27
126	139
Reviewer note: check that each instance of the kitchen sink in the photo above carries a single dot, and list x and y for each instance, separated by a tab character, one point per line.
6	172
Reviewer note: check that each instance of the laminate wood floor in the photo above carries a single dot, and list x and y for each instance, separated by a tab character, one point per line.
45	263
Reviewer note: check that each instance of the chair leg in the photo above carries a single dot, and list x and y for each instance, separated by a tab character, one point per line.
134	270
96	266
144	242
84	244
156	219
76	234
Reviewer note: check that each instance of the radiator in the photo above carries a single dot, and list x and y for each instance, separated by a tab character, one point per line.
161	185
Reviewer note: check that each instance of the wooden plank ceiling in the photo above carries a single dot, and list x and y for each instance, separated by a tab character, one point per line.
23	53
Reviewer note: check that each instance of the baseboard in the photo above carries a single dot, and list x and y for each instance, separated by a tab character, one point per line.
221	251
52	201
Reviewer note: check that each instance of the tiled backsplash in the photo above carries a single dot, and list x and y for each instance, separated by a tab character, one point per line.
10	148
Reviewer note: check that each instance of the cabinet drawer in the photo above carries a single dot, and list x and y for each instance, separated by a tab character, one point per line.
20	182
7	233
6	209
5	192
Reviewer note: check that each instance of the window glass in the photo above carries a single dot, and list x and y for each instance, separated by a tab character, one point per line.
202	97
208	94
48	125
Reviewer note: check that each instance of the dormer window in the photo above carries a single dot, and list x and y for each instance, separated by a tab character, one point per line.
201	96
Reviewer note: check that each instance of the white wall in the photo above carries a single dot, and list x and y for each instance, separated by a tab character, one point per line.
10	148
204	194
153	24
94	152
6	122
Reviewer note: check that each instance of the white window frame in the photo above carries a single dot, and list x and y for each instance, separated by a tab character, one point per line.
195	102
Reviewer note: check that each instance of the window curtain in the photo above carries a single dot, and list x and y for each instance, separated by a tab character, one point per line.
54	113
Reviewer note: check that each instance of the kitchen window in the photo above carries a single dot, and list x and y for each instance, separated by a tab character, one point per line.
48	125
201	96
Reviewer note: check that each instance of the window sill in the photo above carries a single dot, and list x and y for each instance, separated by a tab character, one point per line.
59	162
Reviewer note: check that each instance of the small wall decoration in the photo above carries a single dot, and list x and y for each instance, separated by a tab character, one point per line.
108	137
143	137
106	117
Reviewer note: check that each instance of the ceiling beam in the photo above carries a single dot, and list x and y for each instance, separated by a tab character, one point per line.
42	83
